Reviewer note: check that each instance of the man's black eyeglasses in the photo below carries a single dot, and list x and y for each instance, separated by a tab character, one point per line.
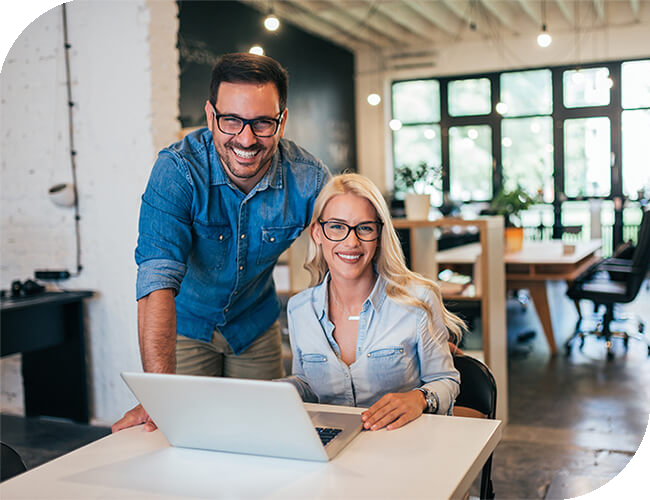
338	231
261	127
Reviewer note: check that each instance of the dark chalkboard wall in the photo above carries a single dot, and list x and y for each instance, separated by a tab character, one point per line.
321	75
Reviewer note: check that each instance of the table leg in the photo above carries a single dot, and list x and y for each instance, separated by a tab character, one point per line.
540	299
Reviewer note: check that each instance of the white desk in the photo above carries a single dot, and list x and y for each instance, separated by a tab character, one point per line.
434	457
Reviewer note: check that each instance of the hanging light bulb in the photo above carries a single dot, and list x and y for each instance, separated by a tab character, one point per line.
374	99
395	124
271	22
256	49
544	39
501	108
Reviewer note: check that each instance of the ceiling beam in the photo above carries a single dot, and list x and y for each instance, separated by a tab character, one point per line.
565	10
367	14
497	12
599	7
409	19
312	24
342	19
535	17
445	22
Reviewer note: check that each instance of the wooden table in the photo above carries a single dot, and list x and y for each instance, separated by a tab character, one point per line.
530	268
434	456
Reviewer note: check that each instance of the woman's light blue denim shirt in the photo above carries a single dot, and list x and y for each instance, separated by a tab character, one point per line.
396	352
216	246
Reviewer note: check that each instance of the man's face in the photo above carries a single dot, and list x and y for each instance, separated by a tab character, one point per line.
245	156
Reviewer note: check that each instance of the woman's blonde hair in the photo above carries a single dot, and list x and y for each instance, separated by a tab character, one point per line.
389	257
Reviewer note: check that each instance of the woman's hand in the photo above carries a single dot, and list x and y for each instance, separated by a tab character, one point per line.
394	410
136	416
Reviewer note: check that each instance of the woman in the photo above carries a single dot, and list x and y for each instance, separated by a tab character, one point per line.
369	332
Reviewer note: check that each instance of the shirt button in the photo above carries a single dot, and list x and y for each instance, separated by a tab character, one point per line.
243	236
236	292
220	237
241	268
272	239
226	309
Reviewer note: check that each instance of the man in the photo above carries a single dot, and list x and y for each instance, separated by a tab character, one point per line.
220	207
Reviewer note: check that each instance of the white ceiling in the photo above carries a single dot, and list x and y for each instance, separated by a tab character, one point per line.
393	25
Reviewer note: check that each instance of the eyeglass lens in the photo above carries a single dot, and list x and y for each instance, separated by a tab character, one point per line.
338	231
261	127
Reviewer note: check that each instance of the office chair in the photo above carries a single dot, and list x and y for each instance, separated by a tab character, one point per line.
478	393
609	282
10	463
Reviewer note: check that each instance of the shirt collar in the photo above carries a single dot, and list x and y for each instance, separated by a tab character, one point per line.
218	176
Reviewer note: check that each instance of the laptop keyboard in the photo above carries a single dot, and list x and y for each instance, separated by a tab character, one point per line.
326	434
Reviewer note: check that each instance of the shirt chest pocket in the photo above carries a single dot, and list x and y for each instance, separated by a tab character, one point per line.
276	240
212	244
317	372
387	367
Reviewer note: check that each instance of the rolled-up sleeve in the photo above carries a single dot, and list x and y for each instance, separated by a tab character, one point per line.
437	371
165	227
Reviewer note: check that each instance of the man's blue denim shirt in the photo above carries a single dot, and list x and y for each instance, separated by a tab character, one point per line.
216	246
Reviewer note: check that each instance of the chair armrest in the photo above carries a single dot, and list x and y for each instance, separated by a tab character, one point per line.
619	269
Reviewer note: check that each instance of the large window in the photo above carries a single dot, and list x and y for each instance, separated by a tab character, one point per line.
527	132
635	77
564	134
470	150
416	140
587	157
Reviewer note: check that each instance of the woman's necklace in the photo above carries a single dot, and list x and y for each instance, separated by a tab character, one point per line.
351	317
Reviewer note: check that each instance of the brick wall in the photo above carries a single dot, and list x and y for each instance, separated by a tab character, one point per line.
123	59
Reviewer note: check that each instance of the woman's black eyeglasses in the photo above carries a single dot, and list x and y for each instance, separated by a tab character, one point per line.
338	231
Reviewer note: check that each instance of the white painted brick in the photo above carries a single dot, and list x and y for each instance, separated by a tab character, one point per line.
116	48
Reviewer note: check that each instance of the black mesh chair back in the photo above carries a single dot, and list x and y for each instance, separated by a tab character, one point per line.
478	391
641	256
10	463
609	282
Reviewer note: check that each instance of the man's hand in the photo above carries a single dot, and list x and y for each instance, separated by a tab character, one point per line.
136	416
394	410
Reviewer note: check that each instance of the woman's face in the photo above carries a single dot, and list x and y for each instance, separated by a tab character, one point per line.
350	258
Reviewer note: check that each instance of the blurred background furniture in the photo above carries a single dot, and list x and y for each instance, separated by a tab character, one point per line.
10	462
48	329
612	281
478	392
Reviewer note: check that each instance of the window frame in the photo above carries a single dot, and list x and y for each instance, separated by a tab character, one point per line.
560	113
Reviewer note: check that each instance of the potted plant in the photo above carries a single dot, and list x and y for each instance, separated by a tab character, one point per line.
413	181
510	204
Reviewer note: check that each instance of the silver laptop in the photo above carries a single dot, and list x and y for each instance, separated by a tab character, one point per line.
241	416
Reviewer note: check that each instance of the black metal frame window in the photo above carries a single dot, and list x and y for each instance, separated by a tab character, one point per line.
565	133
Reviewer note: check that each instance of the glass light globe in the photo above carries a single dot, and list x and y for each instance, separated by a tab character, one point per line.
256	49
271	22
395	124
374	99
544	39
502	108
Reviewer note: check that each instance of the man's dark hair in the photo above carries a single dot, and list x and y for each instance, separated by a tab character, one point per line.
249	68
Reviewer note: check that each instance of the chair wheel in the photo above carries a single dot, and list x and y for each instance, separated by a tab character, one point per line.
610	356
567	350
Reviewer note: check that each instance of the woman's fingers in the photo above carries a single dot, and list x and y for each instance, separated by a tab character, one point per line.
393	410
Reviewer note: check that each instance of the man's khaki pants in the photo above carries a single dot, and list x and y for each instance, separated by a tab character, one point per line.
262	359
